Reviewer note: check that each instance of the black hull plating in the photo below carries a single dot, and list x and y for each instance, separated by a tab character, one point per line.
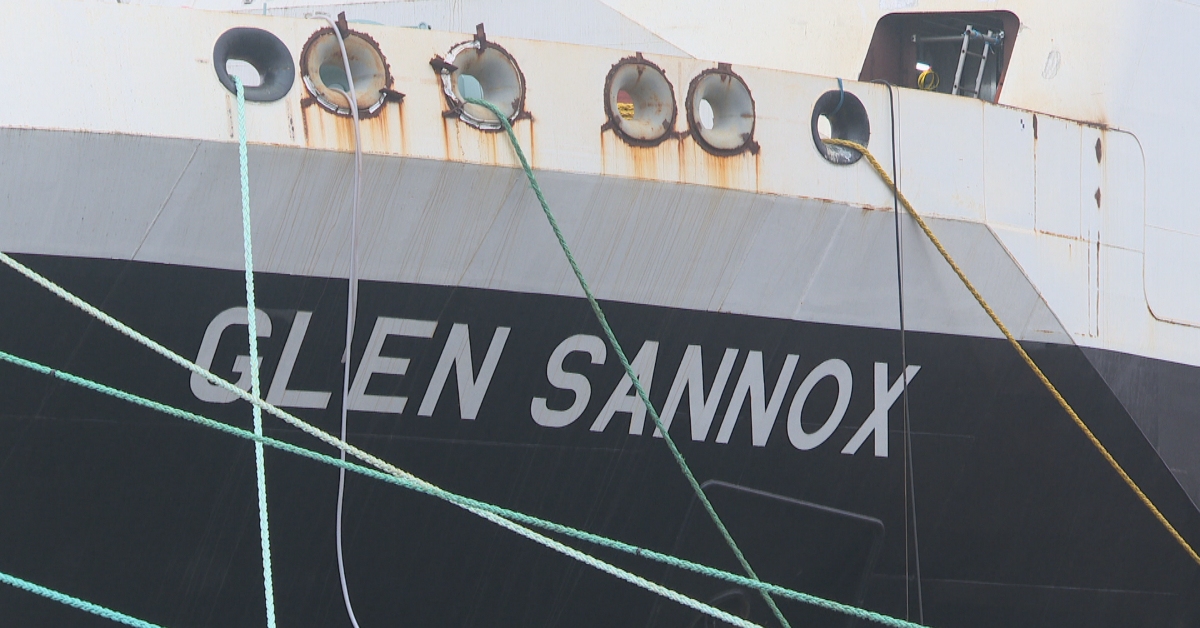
1020	521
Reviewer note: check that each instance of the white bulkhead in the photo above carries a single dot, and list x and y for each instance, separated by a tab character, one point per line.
1080	171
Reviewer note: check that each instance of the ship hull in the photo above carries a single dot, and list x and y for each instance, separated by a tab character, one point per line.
1019	519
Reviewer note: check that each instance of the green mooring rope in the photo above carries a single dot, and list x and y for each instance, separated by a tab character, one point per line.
74	602
260	465
360	454
508	519
612	340
420	486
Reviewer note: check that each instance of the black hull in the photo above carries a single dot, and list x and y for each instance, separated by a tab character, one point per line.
1021	522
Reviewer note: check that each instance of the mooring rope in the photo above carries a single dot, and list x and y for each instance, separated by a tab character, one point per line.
340	444
351	304
74	602
1108	457
260	465
612	340
910	483
413	483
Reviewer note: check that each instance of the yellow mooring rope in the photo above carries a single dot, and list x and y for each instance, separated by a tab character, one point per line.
1020	350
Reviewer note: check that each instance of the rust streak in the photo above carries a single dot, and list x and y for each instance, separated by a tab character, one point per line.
304	120
487	147
757	171
403	128
604	166
643	161
532	146
291	119
375	133
446	138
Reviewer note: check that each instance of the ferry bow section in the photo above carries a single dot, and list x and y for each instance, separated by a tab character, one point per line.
749	269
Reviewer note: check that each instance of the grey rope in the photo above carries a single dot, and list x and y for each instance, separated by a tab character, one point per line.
351	306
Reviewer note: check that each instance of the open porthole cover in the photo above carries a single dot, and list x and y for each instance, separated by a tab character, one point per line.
641	85
847	121
486	71
324	73
264	51
720	112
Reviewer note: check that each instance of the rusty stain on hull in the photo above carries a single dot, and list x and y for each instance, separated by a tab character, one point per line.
291	121
403	127
679	159
532	150
382	133
464	143
446	139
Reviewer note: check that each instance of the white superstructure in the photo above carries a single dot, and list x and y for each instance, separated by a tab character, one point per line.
1093	209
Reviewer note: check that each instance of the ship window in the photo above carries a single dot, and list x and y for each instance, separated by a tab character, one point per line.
963	54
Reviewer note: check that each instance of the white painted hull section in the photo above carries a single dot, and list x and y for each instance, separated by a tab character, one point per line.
960	159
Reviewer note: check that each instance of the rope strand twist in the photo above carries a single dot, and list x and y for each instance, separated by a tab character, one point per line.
260	465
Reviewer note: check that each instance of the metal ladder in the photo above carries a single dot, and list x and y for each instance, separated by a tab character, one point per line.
989	40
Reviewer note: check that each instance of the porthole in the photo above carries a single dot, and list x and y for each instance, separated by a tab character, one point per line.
324	72
838	114
481	70
639	102
260	59
720	112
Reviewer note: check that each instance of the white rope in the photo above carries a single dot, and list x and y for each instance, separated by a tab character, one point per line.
260	464
374	461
